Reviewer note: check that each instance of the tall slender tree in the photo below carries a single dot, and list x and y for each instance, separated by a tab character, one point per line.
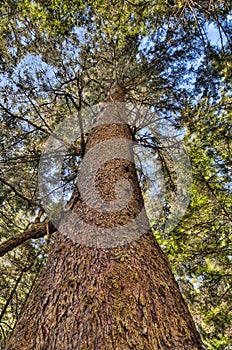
98	298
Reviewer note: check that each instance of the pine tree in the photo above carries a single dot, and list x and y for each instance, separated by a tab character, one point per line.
59	60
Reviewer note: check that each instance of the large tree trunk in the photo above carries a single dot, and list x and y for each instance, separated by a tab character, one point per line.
107	296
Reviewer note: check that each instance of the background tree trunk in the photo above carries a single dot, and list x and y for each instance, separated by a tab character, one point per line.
117	298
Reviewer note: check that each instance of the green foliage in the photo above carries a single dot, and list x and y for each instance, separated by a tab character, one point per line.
200	248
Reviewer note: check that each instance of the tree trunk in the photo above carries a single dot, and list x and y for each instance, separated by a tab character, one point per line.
97	293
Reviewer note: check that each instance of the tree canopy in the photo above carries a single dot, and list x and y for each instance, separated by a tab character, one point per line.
173	57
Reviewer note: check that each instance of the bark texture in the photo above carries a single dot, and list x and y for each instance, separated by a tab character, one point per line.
120	298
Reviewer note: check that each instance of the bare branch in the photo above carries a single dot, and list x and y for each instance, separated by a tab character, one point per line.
36	230
30	201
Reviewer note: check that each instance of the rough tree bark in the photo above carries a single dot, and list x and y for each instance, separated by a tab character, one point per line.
121	298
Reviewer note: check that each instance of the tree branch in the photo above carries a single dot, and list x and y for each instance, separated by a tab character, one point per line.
36	230
30	201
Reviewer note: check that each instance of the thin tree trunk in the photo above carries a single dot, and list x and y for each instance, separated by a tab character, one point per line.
106	298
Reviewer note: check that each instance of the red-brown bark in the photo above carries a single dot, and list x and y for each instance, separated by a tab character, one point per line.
96	298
